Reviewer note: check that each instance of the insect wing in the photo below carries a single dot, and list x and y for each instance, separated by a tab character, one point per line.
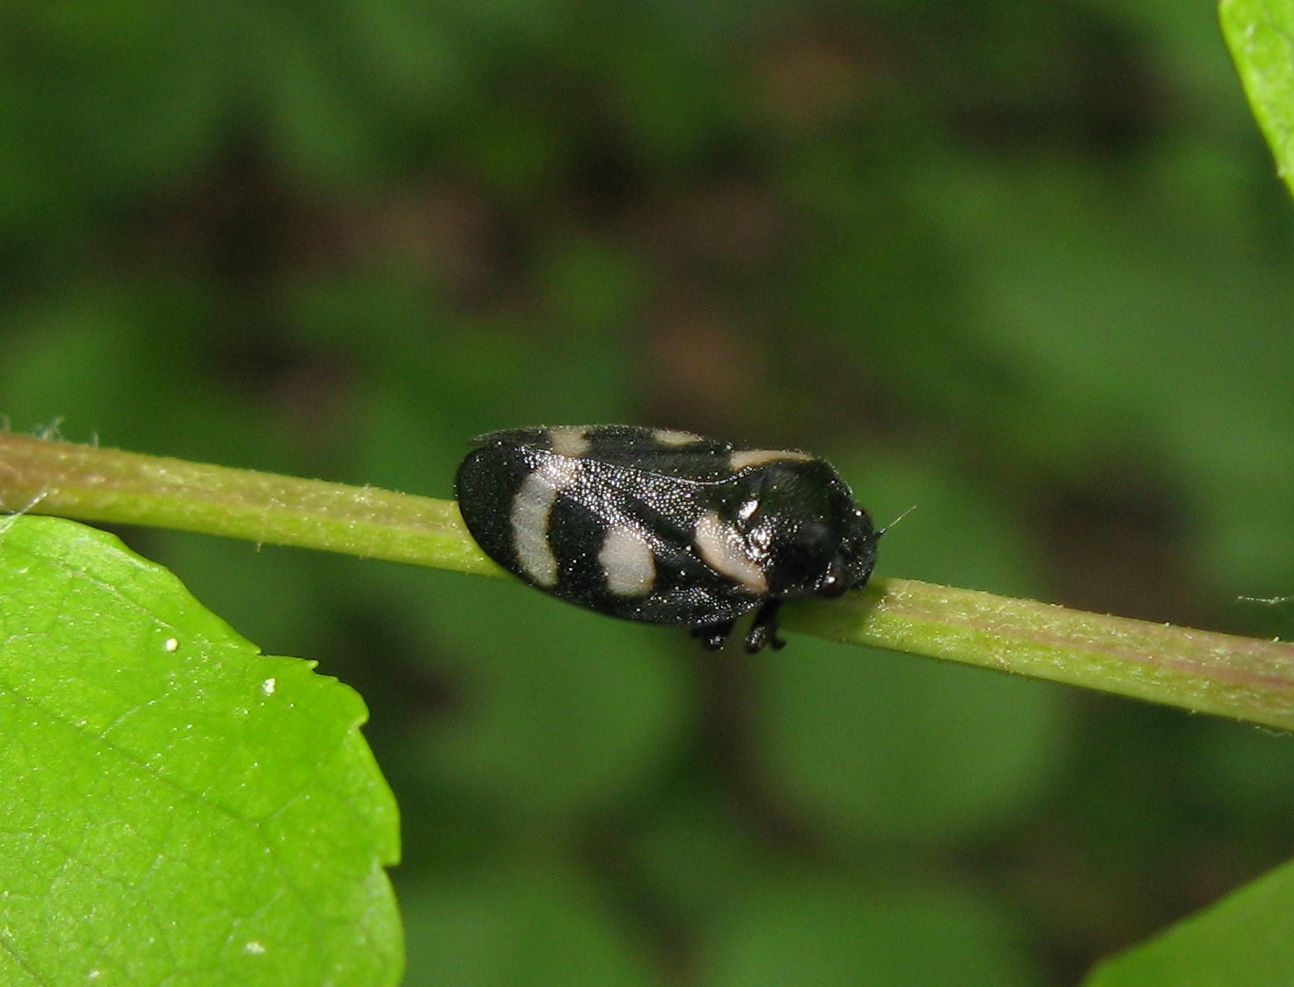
666	452
610	528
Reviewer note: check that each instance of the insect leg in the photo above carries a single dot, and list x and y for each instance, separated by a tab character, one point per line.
764	630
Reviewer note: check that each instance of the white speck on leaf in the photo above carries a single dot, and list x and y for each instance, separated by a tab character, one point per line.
254	947
269	685
172	644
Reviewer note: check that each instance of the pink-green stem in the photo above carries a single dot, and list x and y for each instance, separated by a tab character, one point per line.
1197	670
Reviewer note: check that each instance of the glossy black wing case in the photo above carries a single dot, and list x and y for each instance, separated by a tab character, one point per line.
606	518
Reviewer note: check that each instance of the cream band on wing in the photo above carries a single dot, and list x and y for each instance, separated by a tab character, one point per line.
531	509
723	550
628	563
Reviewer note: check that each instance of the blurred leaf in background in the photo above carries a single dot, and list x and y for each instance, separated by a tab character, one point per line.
1027	268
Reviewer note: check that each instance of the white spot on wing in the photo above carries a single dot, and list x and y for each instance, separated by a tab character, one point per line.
627	562
723	551
573	442
743	458
531	508
673	437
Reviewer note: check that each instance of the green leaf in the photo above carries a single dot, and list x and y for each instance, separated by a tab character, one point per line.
175	806
1260	34
1246	940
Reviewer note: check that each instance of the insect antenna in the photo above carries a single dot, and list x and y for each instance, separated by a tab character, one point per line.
896	520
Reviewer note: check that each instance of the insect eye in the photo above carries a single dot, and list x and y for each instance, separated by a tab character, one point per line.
834	582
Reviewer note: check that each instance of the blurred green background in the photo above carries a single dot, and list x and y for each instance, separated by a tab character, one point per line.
1026	267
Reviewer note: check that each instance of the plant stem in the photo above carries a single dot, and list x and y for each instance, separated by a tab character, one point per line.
93	484
1200	671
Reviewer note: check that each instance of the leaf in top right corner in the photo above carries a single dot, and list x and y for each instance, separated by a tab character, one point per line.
1260	34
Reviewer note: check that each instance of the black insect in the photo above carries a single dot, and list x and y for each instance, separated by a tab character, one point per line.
663	526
